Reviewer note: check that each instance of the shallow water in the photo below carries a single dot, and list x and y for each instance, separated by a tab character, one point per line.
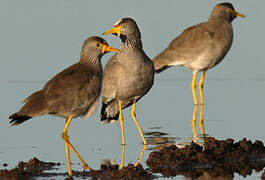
39	39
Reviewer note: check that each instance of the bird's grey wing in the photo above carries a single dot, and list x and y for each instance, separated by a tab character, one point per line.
73	90
112	72
185	48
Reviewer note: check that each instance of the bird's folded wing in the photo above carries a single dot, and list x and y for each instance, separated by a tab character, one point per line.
186	47
112	73
76	86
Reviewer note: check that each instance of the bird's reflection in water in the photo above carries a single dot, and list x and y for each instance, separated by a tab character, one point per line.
141	155
202	121
111	164
69	145
201	136
209	176
108	164
105	163
122	156
158	139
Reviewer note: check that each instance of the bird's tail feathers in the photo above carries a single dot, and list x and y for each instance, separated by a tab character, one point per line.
18	119
33	107
160	63
109	112
160	69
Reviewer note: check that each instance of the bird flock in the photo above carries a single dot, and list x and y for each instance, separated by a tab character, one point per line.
129	73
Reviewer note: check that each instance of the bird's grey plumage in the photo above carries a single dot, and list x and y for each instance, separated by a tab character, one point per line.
73	92
202	46
128	75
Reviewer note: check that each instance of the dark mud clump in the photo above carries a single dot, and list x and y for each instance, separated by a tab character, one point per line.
16	173
35	168
216	158
129	172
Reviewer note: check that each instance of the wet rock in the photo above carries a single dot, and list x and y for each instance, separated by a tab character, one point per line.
216	158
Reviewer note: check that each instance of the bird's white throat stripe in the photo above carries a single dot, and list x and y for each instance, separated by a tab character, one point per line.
118	22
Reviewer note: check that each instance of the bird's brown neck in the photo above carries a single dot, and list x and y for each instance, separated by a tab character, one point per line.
219	18
221	25
90	61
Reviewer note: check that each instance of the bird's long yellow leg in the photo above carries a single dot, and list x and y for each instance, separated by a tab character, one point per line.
201	121
84	164
122	156
193	121
65	136
141	155
135	121
121	121
67	123
201	86
193	87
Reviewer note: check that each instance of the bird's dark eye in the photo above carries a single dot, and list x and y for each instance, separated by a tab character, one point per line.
124	26
229	10
97	44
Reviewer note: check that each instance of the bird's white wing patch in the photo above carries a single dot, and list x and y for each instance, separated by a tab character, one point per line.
118	22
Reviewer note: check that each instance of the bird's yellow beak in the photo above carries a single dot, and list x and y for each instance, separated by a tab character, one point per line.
115	30
235	14
107	48
238	14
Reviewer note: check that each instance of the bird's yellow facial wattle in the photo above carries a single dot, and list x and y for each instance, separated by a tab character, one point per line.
107	48
115	30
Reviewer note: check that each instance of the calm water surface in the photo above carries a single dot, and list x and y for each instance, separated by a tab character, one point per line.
41	38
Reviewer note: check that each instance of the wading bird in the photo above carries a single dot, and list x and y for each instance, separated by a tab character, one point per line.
73	92
128	75
201	47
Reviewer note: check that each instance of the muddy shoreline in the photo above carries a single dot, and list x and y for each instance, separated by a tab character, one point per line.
214	158
217	158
